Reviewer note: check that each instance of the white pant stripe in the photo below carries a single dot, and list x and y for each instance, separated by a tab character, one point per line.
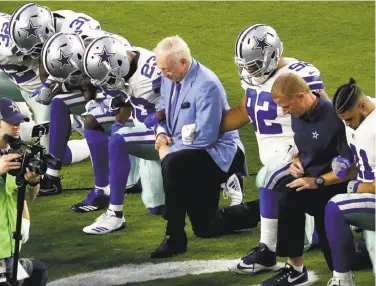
360	205
139	138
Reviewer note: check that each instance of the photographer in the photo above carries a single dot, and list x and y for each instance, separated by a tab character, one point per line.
10	119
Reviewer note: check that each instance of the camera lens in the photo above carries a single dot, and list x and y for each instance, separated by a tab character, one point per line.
37	166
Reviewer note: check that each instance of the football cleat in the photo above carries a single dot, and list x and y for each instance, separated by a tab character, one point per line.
50	185
258	259
233	189
335	281
287	276
107	222
95	200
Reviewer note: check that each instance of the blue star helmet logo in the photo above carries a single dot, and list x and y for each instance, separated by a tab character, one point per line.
261	44
64	60
31	30
104	56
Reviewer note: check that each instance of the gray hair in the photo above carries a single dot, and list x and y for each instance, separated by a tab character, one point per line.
174	47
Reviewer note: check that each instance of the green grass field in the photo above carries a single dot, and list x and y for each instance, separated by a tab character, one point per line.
338	37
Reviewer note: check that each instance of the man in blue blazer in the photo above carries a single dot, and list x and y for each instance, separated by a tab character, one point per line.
196	158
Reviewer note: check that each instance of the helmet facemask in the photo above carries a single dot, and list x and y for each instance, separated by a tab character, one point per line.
258	71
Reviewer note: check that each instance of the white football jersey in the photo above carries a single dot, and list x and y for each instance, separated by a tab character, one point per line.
68	21
272	126
362	143
93	34
23	71
145	84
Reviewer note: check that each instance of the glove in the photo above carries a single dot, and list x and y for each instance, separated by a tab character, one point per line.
25	229
117	102
340	165
151	120
42	94
45	93
352	186
91	105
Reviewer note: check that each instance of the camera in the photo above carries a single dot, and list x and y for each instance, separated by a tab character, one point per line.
33	156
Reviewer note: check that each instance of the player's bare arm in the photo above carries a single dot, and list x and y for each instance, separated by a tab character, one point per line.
236	117
89	91
367	187
42	72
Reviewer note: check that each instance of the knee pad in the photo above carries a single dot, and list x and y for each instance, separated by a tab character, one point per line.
260	178
77	151
152	183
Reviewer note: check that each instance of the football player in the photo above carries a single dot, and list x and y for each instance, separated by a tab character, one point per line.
62	59
30	27
132	71
23	35
98	120
258	55
357	207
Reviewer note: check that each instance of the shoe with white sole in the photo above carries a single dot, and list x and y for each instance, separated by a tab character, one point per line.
107	222
288	276
259	259
336	281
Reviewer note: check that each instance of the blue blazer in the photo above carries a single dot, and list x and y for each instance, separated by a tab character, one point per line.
202	101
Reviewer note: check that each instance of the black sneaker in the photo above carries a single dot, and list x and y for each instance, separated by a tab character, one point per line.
95	200
258	259
50	185
287	276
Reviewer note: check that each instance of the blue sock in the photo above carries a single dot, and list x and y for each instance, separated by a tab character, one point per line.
98	145
67	156
339	237
120	168
60	129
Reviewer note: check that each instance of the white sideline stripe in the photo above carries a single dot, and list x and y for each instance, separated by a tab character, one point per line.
132	273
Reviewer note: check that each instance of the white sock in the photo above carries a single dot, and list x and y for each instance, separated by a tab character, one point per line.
298	268
115	208
343	276
105	189
79	149
269	228
53	173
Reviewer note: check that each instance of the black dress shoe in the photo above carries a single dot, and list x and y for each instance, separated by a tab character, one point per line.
170	246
